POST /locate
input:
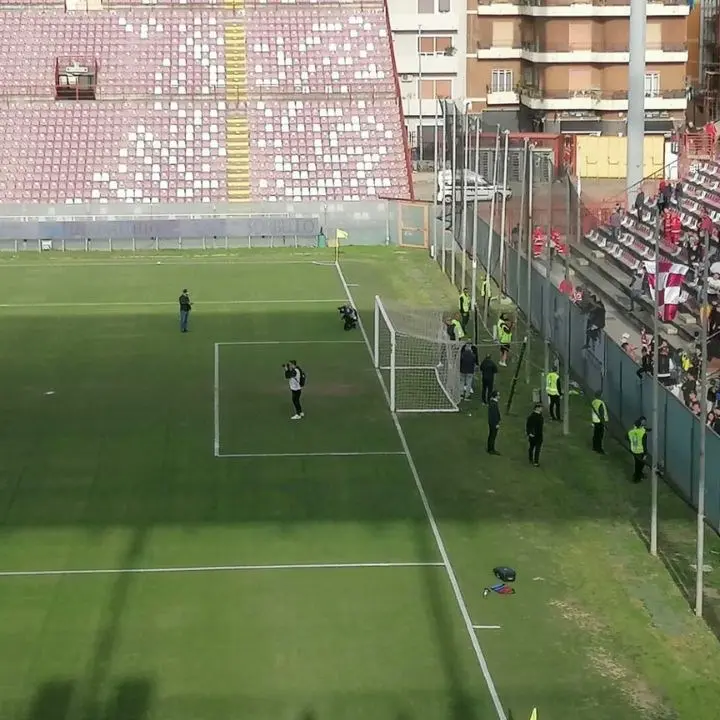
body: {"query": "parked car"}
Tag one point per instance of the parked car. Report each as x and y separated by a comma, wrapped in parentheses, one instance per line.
(469, 185)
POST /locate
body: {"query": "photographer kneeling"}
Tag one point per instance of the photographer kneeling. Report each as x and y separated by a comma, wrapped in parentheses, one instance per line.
(349, 316)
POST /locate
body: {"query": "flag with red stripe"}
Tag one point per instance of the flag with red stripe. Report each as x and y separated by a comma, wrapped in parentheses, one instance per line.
(669, 282)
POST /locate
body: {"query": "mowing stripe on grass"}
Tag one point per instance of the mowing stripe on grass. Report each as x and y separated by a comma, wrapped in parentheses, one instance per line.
(462, 605)
(310, 454)
(216, 402)
(216, 569)
(141, 303)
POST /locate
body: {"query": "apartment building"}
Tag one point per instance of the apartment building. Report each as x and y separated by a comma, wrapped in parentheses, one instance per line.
(539, 65)
(562, 66)
(429, 39)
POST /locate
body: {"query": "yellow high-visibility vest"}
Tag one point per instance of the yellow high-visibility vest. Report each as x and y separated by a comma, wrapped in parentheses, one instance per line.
(551, 383)
(596, 417)
(458, 328)
(464, 303)
(636, 436)
(504, 336)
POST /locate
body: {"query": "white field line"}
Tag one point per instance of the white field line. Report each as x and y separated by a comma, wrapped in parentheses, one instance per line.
(292, 342)
(157, 260)
(141, 303)
(311, 454)
(215, 569)
(462, 605)
(216, 402)
(487, 627)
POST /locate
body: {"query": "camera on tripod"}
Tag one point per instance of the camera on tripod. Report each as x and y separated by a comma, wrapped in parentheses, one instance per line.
(349, 316)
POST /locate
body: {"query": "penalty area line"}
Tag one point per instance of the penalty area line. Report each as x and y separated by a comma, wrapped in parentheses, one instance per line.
(311, 454)
(216, 569)
(487, 627)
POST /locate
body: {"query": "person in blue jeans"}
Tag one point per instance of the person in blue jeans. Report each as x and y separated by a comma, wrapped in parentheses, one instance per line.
(185, 308)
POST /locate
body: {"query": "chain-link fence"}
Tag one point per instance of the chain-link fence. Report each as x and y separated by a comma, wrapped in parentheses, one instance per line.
(547, 202)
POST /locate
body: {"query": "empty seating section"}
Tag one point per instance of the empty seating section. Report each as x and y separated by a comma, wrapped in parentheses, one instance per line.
(139, 53)
(335, 149)
(113, 151)
(635, 241)
(319, 50)
(195, 101)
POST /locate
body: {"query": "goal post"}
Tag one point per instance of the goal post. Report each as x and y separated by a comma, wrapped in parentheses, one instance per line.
(418, 363)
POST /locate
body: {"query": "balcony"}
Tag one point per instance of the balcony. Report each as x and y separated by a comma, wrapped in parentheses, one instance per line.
(606, 52)
(499, 97)
(571, 9)
(596, 99)
(489, 51)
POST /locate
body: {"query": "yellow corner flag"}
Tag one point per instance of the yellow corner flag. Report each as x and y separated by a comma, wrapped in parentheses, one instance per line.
(534, 714)
(340, 235)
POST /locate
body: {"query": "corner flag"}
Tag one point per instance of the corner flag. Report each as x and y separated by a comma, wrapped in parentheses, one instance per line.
(340, 235)
(534, 714)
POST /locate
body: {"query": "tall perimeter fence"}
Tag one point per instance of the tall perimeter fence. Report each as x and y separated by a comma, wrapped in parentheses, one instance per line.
(137, 227)
(549, 197)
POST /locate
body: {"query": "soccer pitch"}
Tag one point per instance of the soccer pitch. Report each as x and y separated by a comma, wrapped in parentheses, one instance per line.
(174, 547)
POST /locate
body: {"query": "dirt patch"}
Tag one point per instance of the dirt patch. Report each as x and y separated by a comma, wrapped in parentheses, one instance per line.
(579, 617)
(637, 691)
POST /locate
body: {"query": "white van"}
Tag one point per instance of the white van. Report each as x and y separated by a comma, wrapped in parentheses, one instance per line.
(474, 185)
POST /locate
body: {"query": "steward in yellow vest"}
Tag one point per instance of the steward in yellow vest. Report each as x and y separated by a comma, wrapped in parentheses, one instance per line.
(599, 421)
(552, 388)
(503, 333)
(465, 307)
(637, 437)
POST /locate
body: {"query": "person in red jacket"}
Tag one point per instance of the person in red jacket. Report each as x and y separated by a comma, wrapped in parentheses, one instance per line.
(706, 225)
(675, 228)
(539, 240)
(667, 227)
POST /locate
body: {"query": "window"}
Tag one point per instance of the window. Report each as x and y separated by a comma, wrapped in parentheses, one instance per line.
(434, 44)
(579, 78)
(503, 32)
(502, 81)
(437, 88)
(428, 7)
(652, 85)
(653, 35)
(580, 36)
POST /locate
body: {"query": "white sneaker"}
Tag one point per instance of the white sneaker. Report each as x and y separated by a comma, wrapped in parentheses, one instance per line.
(296, 417)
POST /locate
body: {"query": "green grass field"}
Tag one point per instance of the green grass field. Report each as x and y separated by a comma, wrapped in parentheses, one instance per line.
(142, 577)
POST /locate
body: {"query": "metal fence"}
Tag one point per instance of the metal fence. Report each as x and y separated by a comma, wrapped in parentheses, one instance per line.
(203, 225)
(604, 365)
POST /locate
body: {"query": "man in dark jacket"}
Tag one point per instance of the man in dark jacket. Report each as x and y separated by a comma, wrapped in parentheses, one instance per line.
(488, 370)
(468, 366)
(493, 422)
(534, 431)
(185, 308)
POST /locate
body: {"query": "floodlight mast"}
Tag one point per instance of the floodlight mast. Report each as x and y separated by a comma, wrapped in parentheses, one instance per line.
(636, 99)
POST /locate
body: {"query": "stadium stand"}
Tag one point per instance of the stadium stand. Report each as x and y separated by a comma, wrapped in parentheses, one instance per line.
(172, 103)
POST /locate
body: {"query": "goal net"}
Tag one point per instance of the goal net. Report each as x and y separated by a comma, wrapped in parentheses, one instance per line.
(419, 364)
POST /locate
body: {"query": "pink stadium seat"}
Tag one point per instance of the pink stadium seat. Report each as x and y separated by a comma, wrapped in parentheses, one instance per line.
(322, 108)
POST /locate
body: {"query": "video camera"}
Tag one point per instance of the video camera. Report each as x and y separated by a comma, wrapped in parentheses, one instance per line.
(349, 316)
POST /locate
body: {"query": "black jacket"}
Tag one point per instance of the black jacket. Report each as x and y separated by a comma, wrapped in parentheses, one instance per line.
(493, 413)
(488, 369)
(468, 359)
(534, 425)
